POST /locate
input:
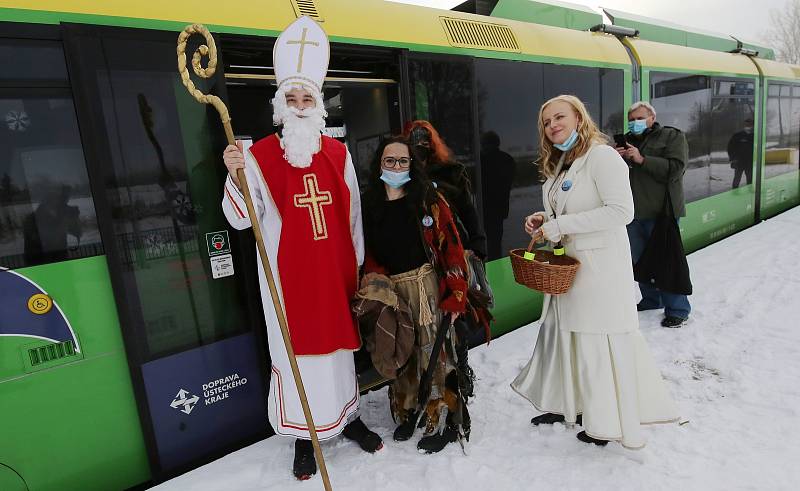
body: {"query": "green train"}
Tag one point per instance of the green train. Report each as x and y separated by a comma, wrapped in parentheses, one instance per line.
(126, 355)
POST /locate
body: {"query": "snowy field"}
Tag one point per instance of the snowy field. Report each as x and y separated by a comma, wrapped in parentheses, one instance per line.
(734, 371)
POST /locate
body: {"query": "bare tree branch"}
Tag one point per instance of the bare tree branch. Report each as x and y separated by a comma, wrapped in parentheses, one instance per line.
(784, 35)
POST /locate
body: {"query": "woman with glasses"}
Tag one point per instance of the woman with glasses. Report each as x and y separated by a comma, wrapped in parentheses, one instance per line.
(410, 237)
(590, 359)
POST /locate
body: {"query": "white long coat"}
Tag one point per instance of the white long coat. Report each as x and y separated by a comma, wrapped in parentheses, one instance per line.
(591, 217)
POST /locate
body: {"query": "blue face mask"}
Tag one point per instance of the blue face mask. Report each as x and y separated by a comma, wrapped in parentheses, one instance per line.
(637, 126)
(568, 143)
(395, 179)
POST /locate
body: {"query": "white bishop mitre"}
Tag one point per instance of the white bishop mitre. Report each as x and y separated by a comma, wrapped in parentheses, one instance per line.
(301, 54)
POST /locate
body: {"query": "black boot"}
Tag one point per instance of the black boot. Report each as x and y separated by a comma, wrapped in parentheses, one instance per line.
(437, 441)
(305, 465)
(547, 419)
(582, 436)
(552, 418)
(404, 431)
(368, 440)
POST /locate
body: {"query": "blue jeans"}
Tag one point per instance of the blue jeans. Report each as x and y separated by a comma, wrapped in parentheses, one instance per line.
(675, 305)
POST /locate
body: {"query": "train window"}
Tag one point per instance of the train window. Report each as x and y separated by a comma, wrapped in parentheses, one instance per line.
(732, 135)
(442, 94)
(783, 129)
(164, 186)
(510, 94)
(46, 208)
(716, 115)
(599, 88)
(27, 61)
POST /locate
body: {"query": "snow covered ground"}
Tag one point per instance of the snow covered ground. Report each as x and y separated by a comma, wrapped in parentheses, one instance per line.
(734, 371)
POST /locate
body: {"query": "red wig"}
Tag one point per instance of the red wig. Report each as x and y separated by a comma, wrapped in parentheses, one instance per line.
(440, 152)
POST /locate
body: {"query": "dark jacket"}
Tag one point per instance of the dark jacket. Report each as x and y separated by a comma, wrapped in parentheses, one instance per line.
(666, 154)
(740, 150)
(452, 180)
(444, 249)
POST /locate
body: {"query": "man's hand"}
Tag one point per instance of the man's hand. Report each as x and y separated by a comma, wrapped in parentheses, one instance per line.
(234, 159)
(631, 154)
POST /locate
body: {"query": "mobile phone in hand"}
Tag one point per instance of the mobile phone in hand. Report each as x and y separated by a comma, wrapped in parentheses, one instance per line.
(619, 140)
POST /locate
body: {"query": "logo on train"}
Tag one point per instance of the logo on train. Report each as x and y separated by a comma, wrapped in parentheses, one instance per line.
(184, 400)
(214, 391)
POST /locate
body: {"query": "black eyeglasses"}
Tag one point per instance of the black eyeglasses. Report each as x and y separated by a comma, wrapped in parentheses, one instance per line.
(392, 162)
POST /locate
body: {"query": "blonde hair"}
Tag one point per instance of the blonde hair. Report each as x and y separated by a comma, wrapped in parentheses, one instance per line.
(588, 135)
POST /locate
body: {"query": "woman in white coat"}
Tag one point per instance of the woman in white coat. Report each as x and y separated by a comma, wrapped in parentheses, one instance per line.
(590, 359)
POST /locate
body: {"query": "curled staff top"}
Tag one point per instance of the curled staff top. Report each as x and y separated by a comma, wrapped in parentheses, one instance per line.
(301, 54)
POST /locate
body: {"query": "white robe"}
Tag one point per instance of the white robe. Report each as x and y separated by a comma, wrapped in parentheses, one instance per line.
(329, 380)
(590, 357)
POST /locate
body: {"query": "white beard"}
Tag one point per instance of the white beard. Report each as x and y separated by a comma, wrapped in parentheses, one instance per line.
(301, 135)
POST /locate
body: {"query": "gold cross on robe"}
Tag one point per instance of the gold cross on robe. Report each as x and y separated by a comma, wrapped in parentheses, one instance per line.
(302, 42)
(314, 199)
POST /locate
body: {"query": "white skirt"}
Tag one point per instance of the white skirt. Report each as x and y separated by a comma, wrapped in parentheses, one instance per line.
(611, 379)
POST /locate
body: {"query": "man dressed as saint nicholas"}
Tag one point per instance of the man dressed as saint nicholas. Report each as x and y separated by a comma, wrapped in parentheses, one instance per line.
(306, 196)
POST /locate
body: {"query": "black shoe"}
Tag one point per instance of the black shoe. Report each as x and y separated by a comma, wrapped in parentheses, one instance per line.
(406, 428)
(305, 465)
(672, 321)
(368, 440)
(582, 436)
(437, 441)
(547, 419)
(641, 307)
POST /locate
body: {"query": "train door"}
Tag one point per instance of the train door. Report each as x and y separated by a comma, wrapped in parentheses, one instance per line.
(183, 280)
(362, 98)
(68, 415)
(361, 94)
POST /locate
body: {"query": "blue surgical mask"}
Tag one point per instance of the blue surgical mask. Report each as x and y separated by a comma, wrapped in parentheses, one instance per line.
(637, 126)
(568, 143)
(395, 179)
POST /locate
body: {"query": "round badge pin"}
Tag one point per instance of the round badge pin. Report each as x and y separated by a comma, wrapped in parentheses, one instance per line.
(427, 221)
(566, 185)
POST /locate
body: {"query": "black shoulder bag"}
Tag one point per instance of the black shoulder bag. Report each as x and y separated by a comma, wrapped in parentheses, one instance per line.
(663, 263)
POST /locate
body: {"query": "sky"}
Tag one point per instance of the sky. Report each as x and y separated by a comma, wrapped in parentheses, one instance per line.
(744, 19)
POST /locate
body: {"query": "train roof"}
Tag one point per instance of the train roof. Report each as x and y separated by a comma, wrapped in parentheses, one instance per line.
(668, 33)
(352, 21)
(774, 69)
(652, 55)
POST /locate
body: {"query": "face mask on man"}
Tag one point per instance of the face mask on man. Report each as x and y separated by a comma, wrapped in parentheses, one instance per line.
(395, 180)
(748, 129)
(637, 126)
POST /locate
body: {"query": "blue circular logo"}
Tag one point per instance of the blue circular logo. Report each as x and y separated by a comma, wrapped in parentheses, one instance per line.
(566, 185)
(427, 221)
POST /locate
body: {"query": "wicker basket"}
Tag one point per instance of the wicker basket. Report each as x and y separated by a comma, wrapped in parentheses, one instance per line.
(540, 274)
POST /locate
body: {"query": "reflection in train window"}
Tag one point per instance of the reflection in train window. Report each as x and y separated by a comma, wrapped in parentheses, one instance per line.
(46, 208)
(716, 115)
(783, 130)
(510, 94)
